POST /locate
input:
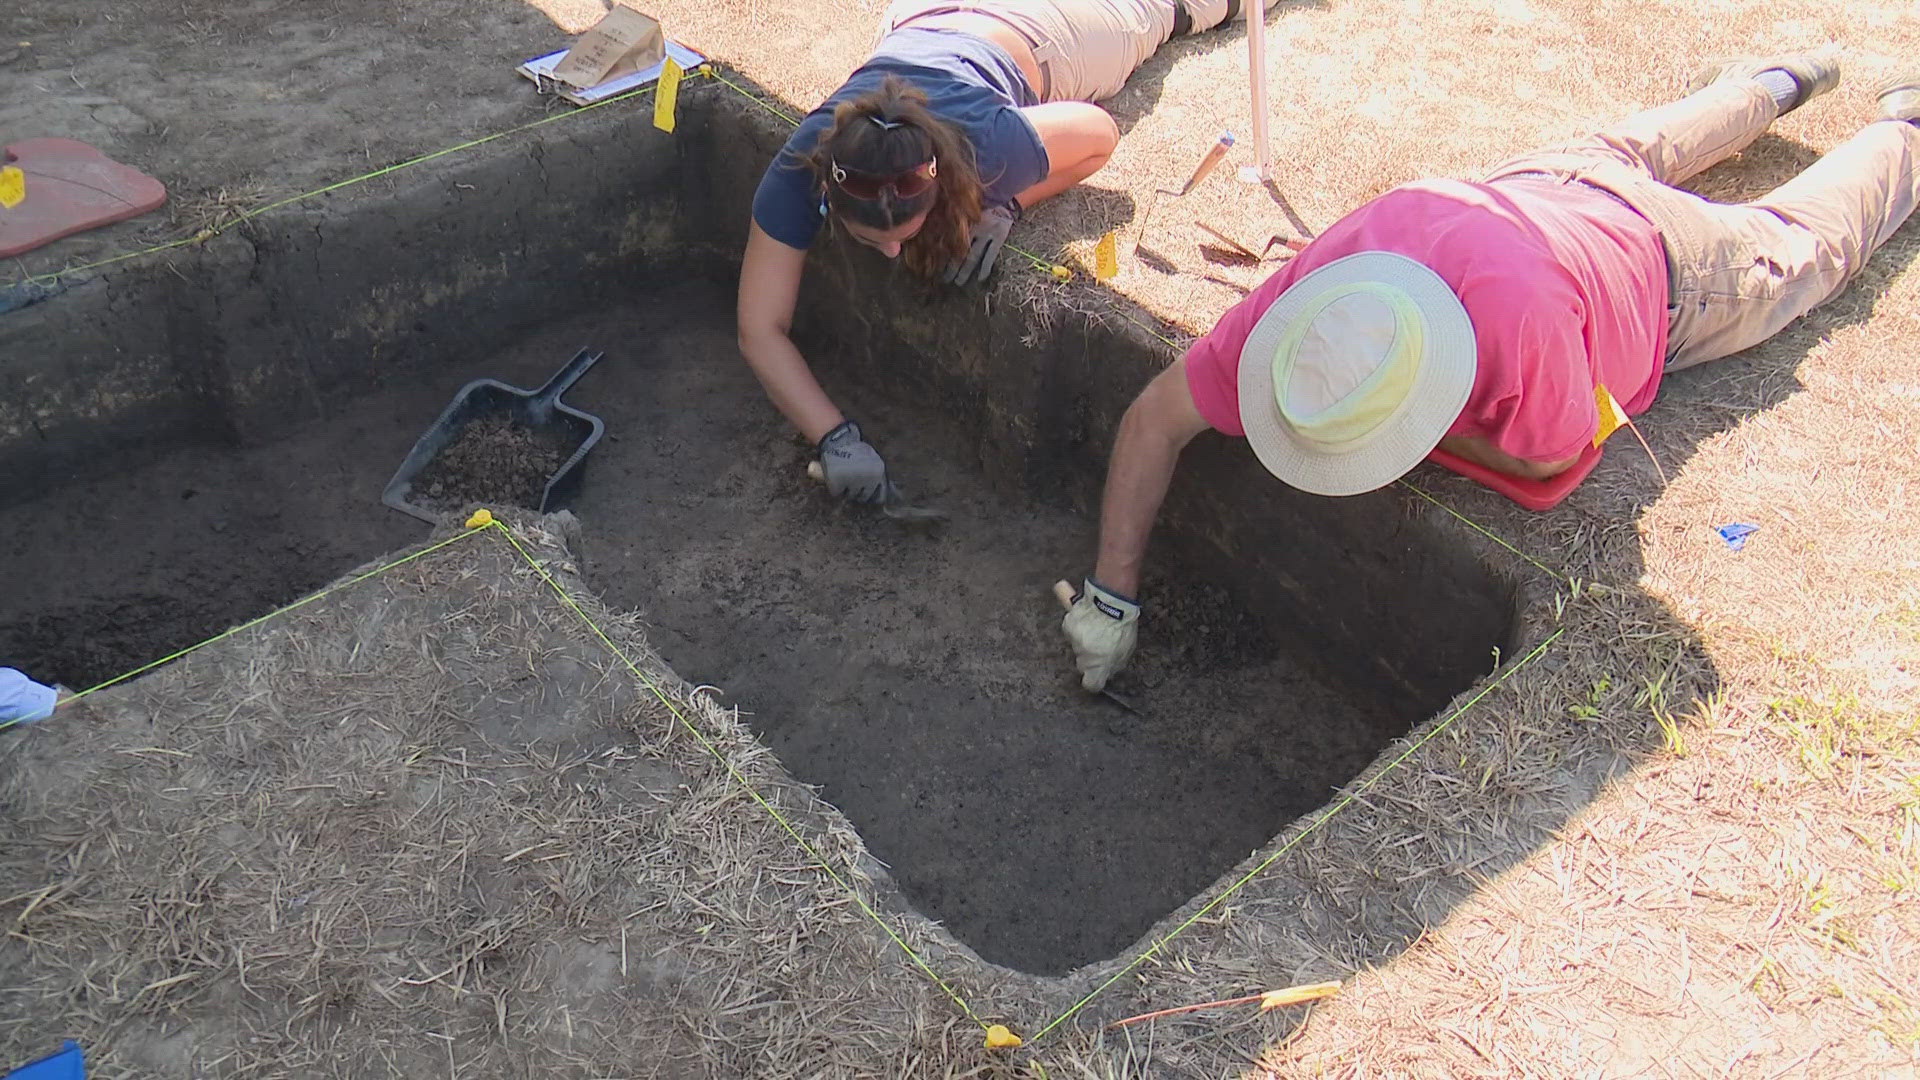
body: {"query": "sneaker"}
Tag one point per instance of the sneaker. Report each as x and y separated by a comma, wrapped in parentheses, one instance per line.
(1815, 75)
(1900, 99)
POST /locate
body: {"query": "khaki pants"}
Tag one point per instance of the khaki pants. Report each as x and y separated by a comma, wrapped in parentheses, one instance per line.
(1087, 49)
(1740, 273)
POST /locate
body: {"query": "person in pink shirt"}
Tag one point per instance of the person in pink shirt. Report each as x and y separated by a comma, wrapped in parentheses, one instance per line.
(1495, 320)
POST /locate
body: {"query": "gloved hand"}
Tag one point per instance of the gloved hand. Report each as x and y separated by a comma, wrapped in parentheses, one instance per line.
(23, 701)
(852, 468)
(1101, 626)
(989, 236)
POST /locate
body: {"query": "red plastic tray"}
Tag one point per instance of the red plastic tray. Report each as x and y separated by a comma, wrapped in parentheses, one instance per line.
(71, 187)
(1532, 494)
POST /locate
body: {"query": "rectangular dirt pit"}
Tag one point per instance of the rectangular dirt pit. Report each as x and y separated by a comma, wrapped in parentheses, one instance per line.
(918, 677)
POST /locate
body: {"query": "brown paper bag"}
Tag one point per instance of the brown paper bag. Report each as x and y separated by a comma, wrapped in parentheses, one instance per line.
(621, 43)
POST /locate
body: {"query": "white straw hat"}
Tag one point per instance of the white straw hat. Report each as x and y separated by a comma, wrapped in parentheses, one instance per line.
(1355, 372)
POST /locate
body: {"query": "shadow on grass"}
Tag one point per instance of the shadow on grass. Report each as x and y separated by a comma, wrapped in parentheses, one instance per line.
(1482, 783)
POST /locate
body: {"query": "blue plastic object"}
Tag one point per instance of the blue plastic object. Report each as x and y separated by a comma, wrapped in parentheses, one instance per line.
(68, 1064)
(1736, 534)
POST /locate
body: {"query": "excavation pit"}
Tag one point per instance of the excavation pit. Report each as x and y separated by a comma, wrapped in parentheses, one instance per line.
(917, 677)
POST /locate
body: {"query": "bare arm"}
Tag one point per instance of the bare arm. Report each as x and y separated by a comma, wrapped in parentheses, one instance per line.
(1157, 426)
(769, 288)
(1482, 452)
(1079, 138)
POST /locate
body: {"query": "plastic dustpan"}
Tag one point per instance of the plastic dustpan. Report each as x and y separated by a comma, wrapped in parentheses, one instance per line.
(68, 1064)
(1532, 494)
(541, 409)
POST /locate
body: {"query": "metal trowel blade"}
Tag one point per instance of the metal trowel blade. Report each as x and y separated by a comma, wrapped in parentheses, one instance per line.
(902, 512)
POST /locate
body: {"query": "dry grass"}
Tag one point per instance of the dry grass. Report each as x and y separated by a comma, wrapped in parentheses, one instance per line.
(1732, 894)
(428, 827)
(208, 212)
(1683, 842)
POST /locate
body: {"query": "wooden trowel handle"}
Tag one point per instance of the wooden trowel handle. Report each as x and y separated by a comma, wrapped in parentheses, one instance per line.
(1064, 593)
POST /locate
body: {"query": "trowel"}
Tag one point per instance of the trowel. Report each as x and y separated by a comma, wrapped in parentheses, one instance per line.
(895, 507)
(1066, 594)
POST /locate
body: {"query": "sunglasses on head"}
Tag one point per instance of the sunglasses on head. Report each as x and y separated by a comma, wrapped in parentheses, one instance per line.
(906, 185)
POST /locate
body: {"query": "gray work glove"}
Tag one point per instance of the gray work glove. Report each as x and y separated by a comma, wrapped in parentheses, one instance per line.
(852, 468)
(989, 236)
(1101, 624)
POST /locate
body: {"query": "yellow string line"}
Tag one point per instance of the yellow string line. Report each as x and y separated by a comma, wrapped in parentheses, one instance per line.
(328, 591)
(755, 98)
(781, 819)
(1345, 801)
(1489, 533)
(215, 230)
(745, 784)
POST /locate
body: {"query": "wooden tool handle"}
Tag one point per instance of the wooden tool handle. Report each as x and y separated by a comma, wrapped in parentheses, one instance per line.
(814, 470)
(1064, 593)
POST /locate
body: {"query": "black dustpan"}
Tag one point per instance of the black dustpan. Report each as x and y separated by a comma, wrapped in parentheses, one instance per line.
(539, 409)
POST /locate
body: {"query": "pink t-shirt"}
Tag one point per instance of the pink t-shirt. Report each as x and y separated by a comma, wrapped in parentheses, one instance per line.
(1566, 287)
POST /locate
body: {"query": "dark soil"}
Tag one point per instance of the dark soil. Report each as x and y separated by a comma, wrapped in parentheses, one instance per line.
(113, 574)
(917, 676)
(492, 459)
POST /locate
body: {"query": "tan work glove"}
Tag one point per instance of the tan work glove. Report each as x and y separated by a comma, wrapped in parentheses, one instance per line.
(1101, 626)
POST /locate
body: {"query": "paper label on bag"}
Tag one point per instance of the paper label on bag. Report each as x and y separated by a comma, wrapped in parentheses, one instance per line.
(621, 43)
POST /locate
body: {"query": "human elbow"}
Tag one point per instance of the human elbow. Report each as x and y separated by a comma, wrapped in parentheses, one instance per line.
(755, 336)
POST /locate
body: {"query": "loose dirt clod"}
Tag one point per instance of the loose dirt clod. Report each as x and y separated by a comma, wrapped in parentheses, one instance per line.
(492, 459)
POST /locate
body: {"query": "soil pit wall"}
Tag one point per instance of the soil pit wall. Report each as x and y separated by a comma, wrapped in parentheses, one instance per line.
(918, 678)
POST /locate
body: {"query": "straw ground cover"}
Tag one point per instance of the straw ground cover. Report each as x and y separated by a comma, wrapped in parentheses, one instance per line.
(430, 826)
(1684, 842)
(1741, 901)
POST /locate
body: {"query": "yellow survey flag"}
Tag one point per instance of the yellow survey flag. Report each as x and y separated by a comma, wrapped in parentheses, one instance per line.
(666, 95)
(1106, 261)
(13, 187)
(1612, 416)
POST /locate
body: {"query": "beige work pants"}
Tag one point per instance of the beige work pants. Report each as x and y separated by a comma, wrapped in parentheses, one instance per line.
(1740, 273)
(1087, 49)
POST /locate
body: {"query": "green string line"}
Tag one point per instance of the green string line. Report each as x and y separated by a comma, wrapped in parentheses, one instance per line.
(755, 98)
(1345, 800)
(215, 230)
(742, 780)
(1490, 534)
(328, 591)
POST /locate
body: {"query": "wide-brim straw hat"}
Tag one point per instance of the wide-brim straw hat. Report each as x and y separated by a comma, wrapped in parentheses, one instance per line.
(1355, 372)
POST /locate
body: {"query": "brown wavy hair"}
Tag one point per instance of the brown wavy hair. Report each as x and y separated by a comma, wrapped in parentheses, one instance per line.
(859, 144)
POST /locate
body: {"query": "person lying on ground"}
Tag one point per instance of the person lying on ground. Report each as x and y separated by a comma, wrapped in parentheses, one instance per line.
(965, 114)
(1491, 319)
(23, 701)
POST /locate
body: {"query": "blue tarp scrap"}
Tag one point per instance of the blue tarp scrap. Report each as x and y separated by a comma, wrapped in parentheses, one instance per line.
(68, 1064)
